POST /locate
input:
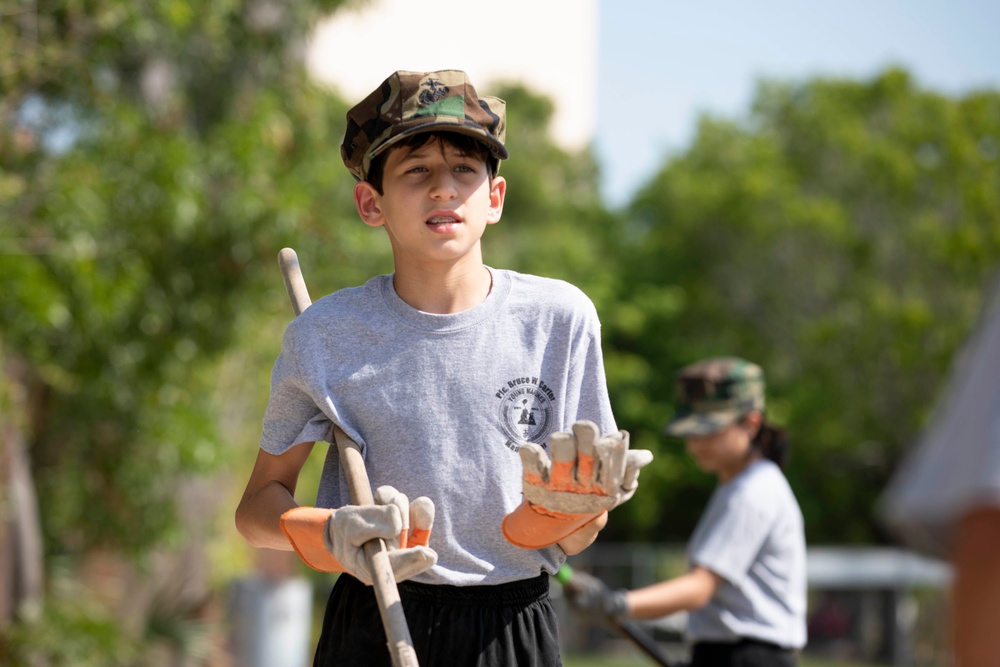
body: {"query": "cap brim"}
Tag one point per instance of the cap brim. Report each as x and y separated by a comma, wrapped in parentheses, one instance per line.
(497, 149)
(697, 424)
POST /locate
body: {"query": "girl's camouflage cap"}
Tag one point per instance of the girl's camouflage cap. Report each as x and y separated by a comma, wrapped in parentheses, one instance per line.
(410, 102)
(713, 393)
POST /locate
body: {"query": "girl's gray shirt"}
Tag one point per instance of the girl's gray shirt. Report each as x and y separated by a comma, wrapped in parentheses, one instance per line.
(440, 404)
(752, 536)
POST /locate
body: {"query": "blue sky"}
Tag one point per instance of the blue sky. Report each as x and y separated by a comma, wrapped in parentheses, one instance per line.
(664, 62)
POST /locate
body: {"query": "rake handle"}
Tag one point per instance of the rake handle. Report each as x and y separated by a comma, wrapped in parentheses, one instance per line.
(383, 580)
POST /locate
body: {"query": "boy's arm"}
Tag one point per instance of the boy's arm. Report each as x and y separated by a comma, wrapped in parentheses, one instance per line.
(269, 493)
(332, 540)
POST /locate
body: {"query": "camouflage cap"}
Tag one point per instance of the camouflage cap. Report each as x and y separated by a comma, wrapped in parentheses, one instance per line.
(410, 102)
(713, 393)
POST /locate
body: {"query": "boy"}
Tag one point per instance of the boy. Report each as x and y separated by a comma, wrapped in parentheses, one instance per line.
(445, 373)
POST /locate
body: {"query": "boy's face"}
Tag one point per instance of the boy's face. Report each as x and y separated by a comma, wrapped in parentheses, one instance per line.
(435, 204)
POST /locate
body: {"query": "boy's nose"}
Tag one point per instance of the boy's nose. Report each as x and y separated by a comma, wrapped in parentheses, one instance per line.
(443, 185)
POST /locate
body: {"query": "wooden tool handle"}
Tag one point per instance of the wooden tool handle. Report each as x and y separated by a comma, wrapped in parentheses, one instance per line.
(295, 284)
(383, 580)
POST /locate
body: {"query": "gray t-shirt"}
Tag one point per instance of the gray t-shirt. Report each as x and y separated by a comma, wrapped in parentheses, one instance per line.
(441, 403)
(752, 536)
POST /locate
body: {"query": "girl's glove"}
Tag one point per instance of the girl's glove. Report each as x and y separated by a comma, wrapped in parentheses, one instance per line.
(332, 540)
(588, 475)
(589, 594)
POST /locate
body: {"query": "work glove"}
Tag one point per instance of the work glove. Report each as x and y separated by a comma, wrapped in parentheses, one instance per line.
(332, 540)
(587, 476)
(589, 594)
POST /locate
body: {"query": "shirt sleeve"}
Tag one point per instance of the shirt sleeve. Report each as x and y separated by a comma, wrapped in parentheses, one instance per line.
(292, 415)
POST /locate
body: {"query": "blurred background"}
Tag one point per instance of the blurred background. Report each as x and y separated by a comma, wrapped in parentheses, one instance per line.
(816, 190)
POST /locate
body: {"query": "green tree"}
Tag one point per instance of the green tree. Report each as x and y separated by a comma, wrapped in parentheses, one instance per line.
(841, 235)
(153, 157)
(554, 223)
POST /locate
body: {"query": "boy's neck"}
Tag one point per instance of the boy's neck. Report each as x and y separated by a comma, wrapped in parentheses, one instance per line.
(444, 291)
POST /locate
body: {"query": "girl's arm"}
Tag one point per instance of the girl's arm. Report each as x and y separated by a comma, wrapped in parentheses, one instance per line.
(687, 592)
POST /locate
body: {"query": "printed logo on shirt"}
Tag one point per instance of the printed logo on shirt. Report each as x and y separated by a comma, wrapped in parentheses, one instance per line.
(525, 411)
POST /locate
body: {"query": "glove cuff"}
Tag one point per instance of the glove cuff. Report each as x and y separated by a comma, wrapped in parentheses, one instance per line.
(616, 605)
(305, 528)
(532, 526)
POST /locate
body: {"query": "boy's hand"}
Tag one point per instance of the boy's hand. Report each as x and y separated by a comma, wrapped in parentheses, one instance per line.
(390, 518)
(587, 475)
(333, 540)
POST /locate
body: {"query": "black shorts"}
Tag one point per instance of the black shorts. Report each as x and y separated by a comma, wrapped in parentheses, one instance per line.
(476, 626)
(744, 653)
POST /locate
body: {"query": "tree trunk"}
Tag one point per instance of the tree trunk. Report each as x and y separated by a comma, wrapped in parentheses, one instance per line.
(21, 555)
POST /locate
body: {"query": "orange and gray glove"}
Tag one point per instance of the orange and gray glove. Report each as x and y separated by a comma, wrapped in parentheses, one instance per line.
(332, 540)
(587, 476)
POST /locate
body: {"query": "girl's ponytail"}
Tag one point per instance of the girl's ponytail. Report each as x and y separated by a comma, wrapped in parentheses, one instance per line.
(772, 443)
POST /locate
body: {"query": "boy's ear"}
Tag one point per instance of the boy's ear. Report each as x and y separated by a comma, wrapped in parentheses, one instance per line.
(369, 204)
(498, 190)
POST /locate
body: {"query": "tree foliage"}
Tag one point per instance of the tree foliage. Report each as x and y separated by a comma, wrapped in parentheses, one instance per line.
(841, 235)
(153, 158)
(157, 154)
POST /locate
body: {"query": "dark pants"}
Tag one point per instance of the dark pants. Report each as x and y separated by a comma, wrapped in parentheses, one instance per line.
(744, 653)
(476, 626)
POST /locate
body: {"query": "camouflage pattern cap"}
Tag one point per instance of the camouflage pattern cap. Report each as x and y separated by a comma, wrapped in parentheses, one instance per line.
(410, 102)
(713, 393)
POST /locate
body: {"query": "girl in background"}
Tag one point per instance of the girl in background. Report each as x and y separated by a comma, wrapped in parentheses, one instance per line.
(745, 591)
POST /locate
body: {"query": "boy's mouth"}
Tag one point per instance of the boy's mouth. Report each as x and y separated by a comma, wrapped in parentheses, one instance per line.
(440, 220)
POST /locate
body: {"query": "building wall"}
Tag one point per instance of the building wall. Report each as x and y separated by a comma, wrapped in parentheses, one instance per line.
(550, 46)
